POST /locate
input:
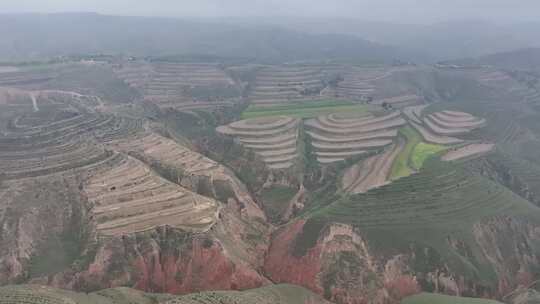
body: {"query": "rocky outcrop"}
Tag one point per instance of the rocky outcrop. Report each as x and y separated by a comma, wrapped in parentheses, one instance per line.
(340, 266)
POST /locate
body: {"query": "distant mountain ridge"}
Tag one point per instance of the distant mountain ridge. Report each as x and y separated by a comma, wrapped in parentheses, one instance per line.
(442, 41)
(38, 36)
(522, 59)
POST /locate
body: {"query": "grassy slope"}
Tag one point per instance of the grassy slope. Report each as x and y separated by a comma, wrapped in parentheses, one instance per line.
(304, 109)
(424, 151)
(431, 298)
(414, 155)
(401, 167)
(272, 294)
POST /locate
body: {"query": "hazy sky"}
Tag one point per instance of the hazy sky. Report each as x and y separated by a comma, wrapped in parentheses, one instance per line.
(410, 11)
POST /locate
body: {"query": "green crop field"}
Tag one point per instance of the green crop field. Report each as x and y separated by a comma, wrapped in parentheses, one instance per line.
(401, 167)
(304, 109)
(422, 151)
(431, 298)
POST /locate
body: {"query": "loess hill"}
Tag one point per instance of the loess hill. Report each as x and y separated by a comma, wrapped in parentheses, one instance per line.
(361, 184)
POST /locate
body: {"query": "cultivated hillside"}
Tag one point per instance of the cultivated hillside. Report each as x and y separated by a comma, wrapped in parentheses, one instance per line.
(362, 184)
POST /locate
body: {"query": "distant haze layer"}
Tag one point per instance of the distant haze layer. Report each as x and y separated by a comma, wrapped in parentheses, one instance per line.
(399, 11)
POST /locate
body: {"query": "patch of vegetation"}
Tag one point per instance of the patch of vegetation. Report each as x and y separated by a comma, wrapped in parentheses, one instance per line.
(423, 151)
(276, 201)
(58, 253)
(304, 109)
(308, 237)
(431, 298)
(402, 164)
(197, 127)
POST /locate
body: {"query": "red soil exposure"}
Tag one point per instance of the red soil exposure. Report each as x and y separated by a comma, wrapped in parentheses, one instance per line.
(402, 286)
(283, 267)
(203, 269)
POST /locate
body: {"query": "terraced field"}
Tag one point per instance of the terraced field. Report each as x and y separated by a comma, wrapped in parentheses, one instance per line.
(26, 78)
(425, 208)
(400, 101)
(190, 169)
(372, 172)
(357, 83)
(48, 159)
(274, 139)
(285, 84)
(336, 137)
(442, 127)
(130, 198)
(504, 81)
(525, 172)
(431, 298)
(372, 85)
(414, 113)
(277, 294)
(468, 151)
(64, 139)
(453, 123)
(181, 85)
(157, 148)
(54, 139)
(273, 294)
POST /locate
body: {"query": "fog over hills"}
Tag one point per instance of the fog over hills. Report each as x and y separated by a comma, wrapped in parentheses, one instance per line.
(39, 36)
(441, 40)
(268, 39)
(527, 59)
(391, 11)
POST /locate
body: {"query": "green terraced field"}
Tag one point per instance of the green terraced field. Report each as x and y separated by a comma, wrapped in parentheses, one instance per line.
(423, 151)
(401, 167)
(442, 200)
(431, 298)
(304, 109)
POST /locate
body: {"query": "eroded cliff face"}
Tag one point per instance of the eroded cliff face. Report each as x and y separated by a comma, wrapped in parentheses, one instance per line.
(344, 268)
(511, 246)
(163, 261)
(340, 266)
(39, 219)
(227, 257)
